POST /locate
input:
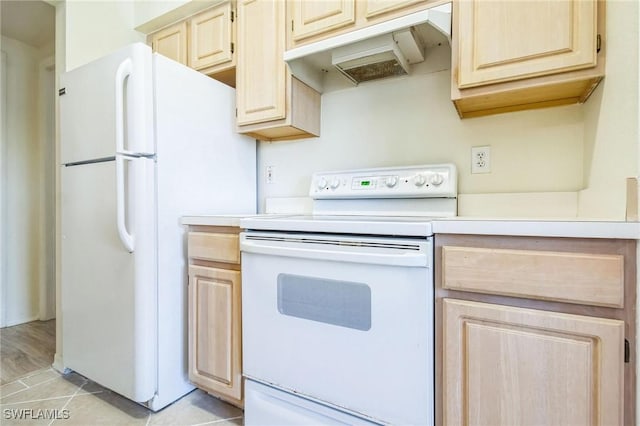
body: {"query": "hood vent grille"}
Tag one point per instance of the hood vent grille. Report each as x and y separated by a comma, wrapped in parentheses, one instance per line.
(379, 57)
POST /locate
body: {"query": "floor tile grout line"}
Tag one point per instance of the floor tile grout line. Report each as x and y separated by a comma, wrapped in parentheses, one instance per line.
(50, 399)
(13, 393)
(217, 421)
(35, 400)
(72, 396)
(27, 387)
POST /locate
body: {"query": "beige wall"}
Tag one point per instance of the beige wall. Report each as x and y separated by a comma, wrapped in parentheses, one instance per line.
(21, 184)
(611, 119)
(95, 28)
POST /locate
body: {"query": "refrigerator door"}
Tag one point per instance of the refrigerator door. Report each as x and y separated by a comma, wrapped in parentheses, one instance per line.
(109, 301)
(95, 96)
(203, 167)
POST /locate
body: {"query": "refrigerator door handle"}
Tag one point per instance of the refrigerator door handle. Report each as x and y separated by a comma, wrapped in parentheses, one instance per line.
(126, 238)
(124, 71)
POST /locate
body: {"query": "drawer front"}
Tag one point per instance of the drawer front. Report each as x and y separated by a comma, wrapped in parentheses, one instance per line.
(214, 247)
(582, 278)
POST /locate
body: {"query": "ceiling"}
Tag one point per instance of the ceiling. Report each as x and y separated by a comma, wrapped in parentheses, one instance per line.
(29, 21)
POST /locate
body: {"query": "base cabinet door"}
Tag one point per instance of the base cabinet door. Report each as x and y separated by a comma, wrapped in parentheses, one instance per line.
(215, 331)
(508, 365)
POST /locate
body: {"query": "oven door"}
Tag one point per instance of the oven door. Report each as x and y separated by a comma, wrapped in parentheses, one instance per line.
(341, 319)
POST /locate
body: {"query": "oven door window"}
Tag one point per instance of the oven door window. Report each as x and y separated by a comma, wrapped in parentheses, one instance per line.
(336, 302)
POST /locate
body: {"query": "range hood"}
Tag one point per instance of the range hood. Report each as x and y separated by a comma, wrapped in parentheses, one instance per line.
(383, 50)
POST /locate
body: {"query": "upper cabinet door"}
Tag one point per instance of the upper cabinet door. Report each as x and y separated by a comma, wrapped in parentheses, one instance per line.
(312, 17)
(374, 8)
(261, 71)
(508, 40)
(211, 37)
(172, 42)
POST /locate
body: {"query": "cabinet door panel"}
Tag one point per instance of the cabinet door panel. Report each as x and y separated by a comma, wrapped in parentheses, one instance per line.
(506, 365)
(172, 42)
(378, 7)
(261, 71)
(311, 17)
(211, 37)
(214, 330)
(507, 40)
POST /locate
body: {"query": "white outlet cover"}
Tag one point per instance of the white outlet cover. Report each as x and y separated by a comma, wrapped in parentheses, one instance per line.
(480, 159)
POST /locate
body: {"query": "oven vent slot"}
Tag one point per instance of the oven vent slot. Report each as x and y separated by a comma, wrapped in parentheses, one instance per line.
(344, 243)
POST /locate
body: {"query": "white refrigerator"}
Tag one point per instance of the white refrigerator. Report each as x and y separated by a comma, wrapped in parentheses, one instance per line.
(144, 141)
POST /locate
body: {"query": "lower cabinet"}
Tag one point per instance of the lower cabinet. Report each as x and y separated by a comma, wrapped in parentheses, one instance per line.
(514, 366)
(535, 330)
(215, 332)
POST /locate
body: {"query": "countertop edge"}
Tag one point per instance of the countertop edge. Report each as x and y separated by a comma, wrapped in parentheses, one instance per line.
(541, 228)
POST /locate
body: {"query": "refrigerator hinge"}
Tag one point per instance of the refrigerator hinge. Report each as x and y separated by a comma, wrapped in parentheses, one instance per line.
(626, 351)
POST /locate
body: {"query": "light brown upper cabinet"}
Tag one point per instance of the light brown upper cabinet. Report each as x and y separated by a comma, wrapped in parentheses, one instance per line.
(204, 42)
(509, 56)
(171, 42)
(271, 104)
(314, 20)
(212, 38)
(316, 17)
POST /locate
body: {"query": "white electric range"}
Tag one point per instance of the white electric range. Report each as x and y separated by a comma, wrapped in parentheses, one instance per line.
(338, 306)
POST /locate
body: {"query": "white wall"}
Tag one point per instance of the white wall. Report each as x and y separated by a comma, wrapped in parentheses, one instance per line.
(94, 28)
(611, 119)
(22, 190)
(411, 120)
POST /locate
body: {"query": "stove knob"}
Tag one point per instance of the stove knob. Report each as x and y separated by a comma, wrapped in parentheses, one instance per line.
(335, 183)
(419, 180)
(391, 181)
(436, 179)
(322, 183)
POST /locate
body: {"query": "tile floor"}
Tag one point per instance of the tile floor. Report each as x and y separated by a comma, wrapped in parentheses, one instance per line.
(46, 397)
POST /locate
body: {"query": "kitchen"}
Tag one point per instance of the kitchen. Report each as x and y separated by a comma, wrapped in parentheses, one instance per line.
(565, 162)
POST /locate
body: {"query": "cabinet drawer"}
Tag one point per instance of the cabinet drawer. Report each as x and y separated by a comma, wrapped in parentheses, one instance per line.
(582, 278)
(214, 247)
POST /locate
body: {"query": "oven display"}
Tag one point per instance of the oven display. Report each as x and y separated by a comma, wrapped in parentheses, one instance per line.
(363, 183)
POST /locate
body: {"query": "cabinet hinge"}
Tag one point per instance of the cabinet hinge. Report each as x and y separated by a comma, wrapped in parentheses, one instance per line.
(626, 351)
(232, 47)
(236, 112)
(292, 25)
(598, 43)
(232, 16)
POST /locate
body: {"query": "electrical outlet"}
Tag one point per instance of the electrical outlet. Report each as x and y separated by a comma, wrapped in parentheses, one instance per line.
(270, 174)
(481, 159)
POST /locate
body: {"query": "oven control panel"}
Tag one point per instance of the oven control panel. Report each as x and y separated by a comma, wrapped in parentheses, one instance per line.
(427, 181)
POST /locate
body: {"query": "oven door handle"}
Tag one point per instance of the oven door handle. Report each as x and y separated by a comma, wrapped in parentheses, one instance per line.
(409, 258)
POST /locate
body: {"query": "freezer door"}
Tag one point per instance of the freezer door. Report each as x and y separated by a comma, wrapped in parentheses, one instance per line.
(109, 299)
(92, 98)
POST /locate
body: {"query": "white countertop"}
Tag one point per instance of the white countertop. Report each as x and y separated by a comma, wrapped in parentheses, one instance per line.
(578, 228)
(215, 220)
